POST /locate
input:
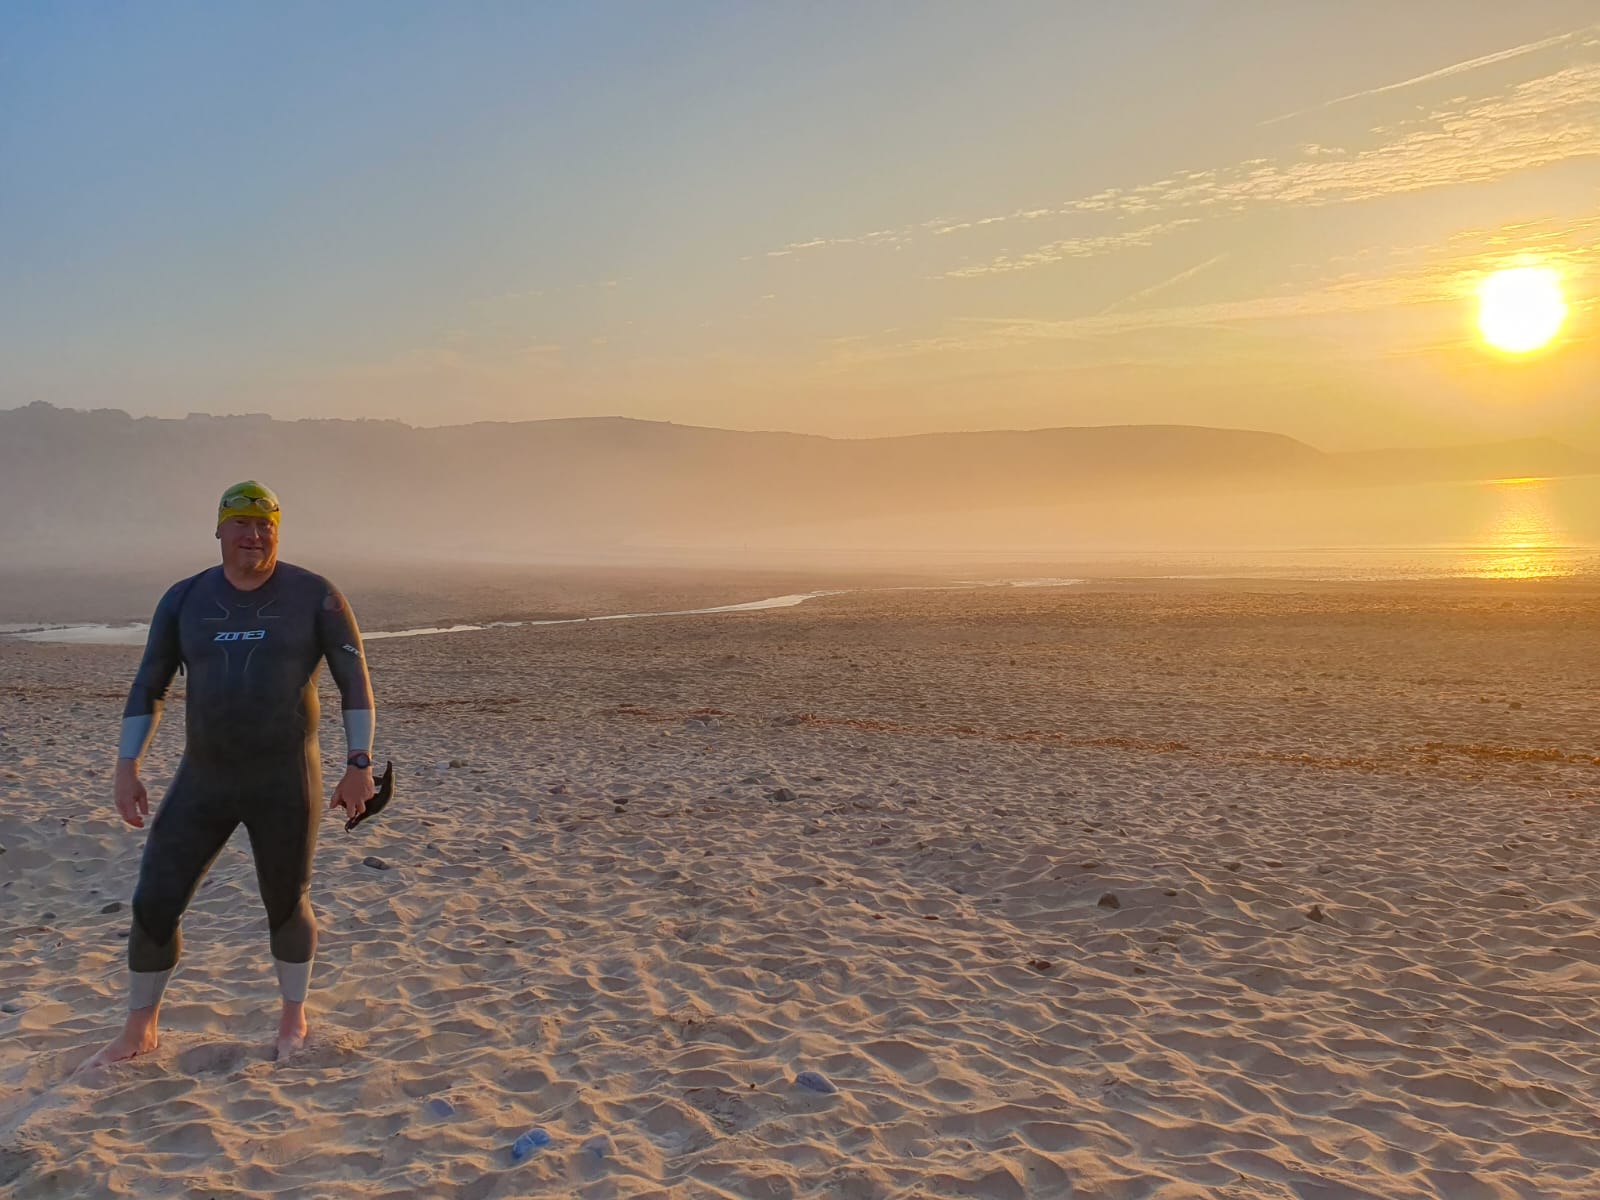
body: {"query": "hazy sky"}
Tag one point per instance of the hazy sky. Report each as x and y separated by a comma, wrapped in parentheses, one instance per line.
(839, 218)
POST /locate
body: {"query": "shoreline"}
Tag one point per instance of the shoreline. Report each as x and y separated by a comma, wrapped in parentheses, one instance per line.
(134, 633)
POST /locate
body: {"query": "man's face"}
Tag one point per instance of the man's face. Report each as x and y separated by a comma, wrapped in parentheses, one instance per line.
(248, 543)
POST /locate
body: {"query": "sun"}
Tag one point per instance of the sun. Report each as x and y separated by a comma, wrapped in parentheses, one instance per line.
(1520, 310)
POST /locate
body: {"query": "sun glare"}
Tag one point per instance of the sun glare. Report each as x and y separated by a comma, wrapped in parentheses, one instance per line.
(1521, 310)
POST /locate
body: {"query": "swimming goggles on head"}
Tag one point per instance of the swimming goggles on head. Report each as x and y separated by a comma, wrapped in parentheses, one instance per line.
(247, 504)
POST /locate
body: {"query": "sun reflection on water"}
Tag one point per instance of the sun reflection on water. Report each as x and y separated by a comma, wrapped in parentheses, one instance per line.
(1525, 537)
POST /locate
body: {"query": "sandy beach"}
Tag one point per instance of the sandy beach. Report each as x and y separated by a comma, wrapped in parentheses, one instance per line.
(1139, 891)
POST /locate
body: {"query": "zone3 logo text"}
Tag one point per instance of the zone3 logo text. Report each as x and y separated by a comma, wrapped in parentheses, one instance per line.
(240, 635)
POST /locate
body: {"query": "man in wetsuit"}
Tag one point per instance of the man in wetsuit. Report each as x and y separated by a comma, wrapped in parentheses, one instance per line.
(250, 633)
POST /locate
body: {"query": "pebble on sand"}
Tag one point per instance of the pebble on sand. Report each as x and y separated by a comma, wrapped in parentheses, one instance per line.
(815, 1081)
(1109, 900)
(1040, 965)
(783, 794)
(114, 906)
(1316, 914)
(529, 1144)
(376, 863)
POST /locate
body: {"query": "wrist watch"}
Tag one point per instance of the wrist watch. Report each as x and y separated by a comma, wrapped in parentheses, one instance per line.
(360, 760)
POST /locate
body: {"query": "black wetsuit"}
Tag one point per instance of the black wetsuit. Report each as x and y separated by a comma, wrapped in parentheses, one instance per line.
(251, 754)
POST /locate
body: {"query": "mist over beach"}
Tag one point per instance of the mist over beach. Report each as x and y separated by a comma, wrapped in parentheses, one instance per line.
(962, 602)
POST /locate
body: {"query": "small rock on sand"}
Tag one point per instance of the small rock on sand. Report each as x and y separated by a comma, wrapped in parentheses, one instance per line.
(376, 863)
(114, 906)
(1109, 900)
(784, 794)
(1316, 914)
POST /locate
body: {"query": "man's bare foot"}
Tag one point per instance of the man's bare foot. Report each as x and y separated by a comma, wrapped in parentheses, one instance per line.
(291, 1031)
(136, 1038)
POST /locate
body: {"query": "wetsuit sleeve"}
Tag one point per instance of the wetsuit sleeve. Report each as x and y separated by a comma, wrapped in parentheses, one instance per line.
(340, 641)
(146, 698)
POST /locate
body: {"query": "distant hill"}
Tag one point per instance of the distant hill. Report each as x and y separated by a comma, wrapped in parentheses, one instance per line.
(77, 486)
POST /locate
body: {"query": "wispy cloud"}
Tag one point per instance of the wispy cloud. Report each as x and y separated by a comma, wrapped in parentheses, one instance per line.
(1156, 288)
(1471, 64)
(1406, 277)
(1066, 248)
(1549, 119)
(877, 237)
(937, 226)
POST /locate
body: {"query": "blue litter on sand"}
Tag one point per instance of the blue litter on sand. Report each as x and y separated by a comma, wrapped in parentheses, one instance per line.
(815, 1082)
(529, 1144)
(440, 1107)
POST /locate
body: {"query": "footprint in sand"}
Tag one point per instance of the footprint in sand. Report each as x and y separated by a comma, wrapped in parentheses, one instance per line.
(323, 1050)
(15, 1163)
(727, 1109)
(213, 1058)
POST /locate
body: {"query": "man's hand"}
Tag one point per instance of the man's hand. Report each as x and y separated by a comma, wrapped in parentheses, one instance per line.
(133, 802)
(353, 792)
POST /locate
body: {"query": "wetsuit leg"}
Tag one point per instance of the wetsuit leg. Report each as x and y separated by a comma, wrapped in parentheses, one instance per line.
(190, 828)
(281, 816)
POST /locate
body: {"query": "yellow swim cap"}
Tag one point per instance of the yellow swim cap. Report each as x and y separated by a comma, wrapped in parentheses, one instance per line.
(248, 499)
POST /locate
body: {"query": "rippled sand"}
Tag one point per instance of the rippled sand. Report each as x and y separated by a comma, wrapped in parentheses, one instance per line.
(1157, 891)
